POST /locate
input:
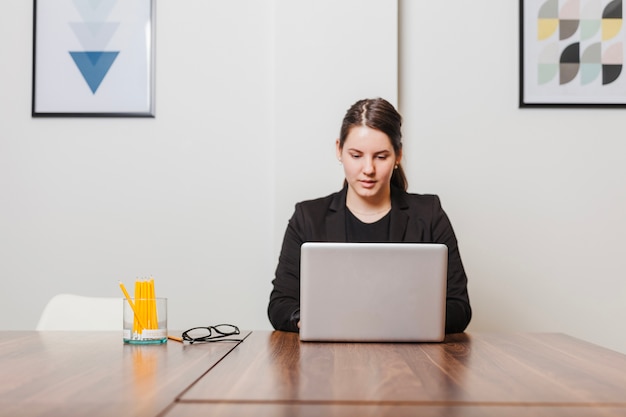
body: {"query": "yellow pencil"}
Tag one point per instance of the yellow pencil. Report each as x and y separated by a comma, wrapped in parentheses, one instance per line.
(153, 308)
(130, 303)
(137, 296)
(145, 303)
(139, 301)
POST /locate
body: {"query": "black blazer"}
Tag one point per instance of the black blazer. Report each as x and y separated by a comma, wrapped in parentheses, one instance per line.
(417, 218)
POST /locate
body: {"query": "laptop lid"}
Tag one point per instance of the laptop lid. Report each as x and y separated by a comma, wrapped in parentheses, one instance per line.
(367, 292)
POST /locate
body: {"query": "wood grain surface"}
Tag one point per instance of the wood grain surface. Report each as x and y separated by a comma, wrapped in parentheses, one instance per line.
(190, 409)
(274, 374)
(542, 370)
(96, 374)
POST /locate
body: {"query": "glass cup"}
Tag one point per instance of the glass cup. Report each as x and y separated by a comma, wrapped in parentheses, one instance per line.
(145, 321)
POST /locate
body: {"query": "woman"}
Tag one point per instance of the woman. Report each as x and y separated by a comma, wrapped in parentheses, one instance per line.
(373, 206)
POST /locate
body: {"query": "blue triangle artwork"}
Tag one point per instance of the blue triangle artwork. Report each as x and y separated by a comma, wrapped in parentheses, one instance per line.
(94, 33)
(94, 66)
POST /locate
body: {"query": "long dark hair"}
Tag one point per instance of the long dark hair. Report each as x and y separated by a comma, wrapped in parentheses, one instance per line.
(379, 114)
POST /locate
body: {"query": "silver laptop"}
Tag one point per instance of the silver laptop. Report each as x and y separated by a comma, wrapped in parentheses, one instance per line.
(373, 292)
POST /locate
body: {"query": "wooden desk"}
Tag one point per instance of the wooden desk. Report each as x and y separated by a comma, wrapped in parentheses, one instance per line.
(94, 374)
(273, 374)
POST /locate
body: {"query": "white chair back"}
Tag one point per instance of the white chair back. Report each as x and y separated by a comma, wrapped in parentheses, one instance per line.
(77, 312)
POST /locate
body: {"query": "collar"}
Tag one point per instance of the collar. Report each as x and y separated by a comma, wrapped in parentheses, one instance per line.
(336, 218)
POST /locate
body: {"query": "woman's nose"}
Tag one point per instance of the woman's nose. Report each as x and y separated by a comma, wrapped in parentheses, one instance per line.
(368, 166)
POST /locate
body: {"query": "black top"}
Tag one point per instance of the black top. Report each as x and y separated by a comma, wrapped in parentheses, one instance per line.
(359, 232)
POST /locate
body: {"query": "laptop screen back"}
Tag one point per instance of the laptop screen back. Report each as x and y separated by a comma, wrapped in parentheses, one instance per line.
(392, 292)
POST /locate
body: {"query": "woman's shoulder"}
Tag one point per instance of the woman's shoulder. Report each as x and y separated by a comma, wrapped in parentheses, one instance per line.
(330, 200)
(413, 199)
(315, 211)
(319, 200)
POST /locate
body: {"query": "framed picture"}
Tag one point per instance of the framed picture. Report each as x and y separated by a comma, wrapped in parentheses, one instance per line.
(572, 53)
(93, 58)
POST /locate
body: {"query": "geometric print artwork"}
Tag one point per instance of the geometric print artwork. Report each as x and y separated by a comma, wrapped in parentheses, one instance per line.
(93, 58)
(578, 42)
(94, 34)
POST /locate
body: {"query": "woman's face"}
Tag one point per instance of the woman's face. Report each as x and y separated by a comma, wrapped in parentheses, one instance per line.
(368, 161)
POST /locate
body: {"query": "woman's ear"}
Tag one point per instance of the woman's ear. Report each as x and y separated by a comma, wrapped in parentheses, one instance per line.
(338, 150)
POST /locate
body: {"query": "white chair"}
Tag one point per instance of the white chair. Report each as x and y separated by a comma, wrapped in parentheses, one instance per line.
(76, 312)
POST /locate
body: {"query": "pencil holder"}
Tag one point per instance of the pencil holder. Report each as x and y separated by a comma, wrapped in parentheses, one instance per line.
(145, 321)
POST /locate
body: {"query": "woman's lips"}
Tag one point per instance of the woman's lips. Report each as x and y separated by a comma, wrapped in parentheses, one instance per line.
(367, 183)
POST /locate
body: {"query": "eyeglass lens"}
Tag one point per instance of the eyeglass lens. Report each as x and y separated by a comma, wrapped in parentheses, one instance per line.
(212, 331)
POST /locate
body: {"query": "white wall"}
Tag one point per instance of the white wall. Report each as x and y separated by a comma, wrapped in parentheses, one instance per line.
(327, 57)
(537, 196)
(250, 95)
(88, 202)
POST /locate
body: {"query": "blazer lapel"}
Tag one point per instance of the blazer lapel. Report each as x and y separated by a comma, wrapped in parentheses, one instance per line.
(336, 218)
(399, 216)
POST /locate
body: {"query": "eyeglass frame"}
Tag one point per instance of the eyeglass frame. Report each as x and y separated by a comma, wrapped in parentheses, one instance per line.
(219, 337)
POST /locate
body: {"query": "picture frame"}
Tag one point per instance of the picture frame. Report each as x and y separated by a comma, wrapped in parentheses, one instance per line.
(93, 59)
(572, 53)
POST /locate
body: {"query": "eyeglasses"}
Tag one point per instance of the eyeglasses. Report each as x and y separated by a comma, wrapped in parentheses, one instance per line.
(218, 333)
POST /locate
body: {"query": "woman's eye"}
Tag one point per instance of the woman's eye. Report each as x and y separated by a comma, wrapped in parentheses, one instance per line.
(355, 156)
